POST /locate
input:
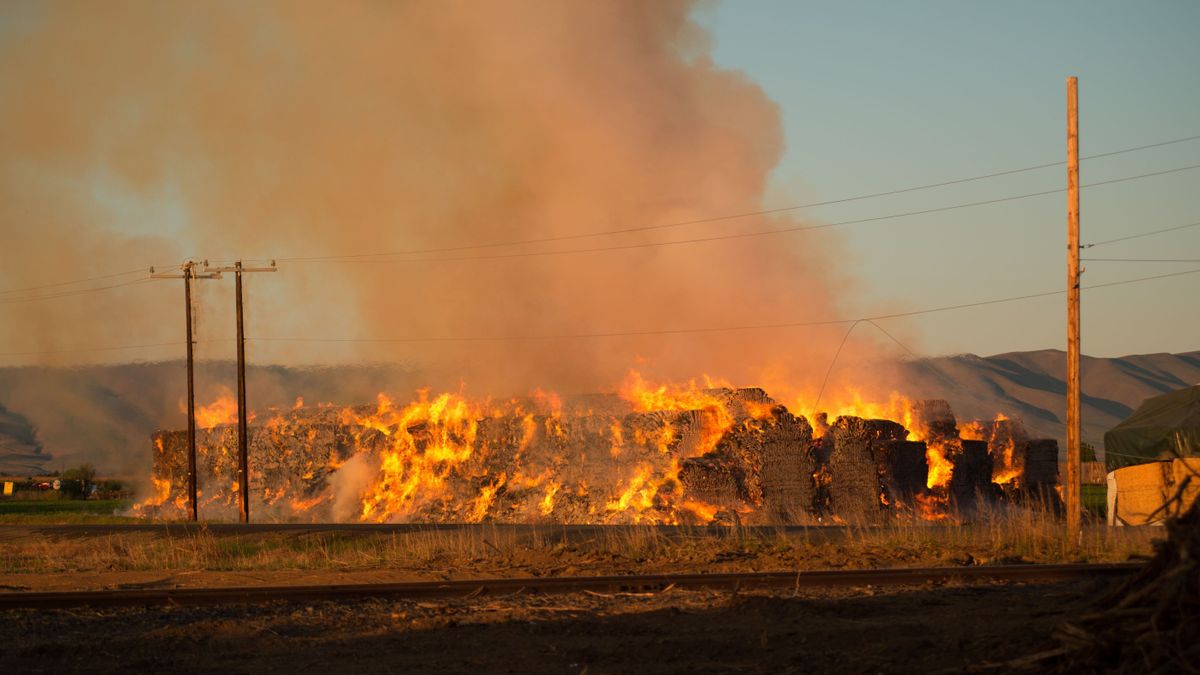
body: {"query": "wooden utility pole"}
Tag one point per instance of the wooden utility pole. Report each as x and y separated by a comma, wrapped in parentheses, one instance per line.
(243, 441)
(1072, 481)
(189, 273)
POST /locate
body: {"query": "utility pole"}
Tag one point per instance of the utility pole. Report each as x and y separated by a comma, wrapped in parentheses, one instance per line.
(243, 444)
(189, 273)
(1074, 505)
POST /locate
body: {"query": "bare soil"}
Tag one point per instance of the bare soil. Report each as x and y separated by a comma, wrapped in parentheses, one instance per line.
(927, 629)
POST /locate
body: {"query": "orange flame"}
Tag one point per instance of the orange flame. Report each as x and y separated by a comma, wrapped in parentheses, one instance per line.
(220, 412)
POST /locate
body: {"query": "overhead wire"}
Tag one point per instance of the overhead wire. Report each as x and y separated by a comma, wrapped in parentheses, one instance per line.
(114, 348)
(1143, 260)
(734, 216)
(350, 257)
(1141, 234)
(92, 349)
(66, 294)
(736, 235)
(718, 329)
(103, 277)
(715, 329)
(354, 257)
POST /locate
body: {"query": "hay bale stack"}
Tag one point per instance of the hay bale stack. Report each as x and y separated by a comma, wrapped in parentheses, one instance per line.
(856, 489)
(715, 480)
(905, 470)
(934, 419)
(789, 494)
(971, 479)
(1039, 463)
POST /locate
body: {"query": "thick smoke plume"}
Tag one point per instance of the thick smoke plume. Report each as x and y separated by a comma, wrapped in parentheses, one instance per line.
(138, 133)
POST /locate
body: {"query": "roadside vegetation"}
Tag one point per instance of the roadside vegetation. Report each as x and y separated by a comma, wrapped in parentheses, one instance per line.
(74, 496)
(1012, 536)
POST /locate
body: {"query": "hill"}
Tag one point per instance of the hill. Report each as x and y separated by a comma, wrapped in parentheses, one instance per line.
(105, 414)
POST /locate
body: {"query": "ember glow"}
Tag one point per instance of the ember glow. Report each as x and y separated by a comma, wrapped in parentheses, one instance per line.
(652, 453)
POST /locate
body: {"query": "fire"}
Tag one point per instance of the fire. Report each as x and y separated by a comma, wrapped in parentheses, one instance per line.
(448, 458)
(937, 455)
(220, 412)
(716, 418)
(547, 505)
(426, 439)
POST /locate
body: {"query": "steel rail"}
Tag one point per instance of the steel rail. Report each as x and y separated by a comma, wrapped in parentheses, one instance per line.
(642, 583)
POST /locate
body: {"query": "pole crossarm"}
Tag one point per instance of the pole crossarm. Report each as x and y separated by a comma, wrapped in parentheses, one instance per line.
(188, 273)
(237, 267)
(243, 434)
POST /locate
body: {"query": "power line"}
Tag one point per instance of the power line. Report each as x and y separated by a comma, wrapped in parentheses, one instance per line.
(1144, 260)
(1143, 234)
(114, 275)
(893, 338)
(831, 202)
(381, 257)
(91, 349)
(111, 349)
(353, 257)
(830, 322)
(67, 294)
(719, 329)
(735, 216)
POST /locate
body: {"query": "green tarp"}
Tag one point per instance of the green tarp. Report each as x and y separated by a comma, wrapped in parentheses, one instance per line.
(1162, 427)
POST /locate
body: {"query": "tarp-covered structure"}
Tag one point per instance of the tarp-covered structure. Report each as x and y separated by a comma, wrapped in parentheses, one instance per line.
(1161, 428)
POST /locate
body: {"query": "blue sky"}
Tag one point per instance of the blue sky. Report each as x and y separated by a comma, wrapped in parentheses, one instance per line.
(883, 95)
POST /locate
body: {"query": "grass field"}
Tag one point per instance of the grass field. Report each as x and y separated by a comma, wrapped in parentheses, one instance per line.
(67, 511)
(1010, 536)
(1095, 500)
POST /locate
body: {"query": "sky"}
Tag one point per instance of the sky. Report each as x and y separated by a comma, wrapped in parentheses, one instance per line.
(146, 132)
(877, 96)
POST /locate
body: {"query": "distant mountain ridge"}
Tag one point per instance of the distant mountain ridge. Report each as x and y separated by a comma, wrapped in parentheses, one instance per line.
(105, 414)
(20, 451)
(1032, 386)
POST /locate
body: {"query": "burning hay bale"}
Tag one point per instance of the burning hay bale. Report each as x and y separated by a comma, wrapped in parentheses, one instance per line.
(691, 457)
(789, 492)
(905, 470)
(1023, 468)
(971, 478)
(857, 464)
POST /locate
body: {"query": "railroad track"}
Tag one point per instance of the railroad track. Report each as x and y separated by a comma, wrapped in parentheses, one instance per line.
(647, 583)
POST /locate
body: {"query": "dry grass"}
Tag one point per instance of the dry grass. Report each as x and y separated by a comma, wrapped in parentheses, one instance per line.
(1011, 535)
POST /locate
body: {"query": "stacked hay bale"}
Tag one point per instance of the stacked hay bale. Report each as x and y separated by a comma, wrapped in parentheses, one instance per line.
(739, 457)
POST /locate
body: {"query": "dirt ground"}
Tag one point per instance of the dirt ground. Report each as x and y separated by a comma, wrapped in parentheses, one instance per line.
(928, 629)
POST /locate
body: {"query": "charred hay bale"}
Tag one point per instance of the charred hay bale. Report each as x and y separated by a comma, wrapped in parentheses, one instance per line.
(905, 470)
(1003, 436)
(971, 478)
(935, 418)
(1040, 462)
(855, 489)
(788, 490)
(170, 456)
(819, 453)
(1038, 479)
(743, 402)
(714, 480)
(763, 463)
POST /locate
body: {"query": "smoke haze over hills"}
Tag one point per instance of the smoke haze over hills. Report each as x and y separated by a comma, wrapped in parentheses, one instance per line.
(105, 414)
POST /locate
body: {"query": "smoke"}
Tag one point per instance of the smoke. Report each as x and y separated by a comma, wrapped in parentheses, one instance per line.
(350, 480)
(137, 133)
